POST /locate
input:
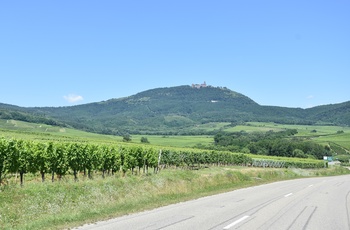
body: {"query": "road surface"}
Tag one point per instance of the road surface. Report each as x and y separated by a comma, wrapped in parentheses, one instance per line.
(311, 203)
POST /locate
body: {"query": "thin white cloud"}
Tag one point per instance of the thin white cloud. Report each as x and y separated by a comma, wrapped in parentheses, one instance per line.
(72, 98)
(310, 97)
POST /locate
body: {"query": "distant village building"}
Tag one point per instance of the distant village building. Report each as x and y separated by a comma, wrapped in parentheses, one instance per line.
(198, 86)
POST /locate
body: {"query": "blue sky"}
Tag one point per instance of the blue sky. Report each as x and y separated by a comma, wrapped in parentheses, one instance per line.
(284, 53)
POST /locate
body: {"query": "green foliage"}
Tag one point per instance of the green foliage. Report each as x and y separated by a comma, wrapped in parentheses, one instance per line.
(174, 111)
(126, 137)
(92, 159)
(75, 157)
(144, 140)
(271, 143)
(344, 159)
(61, 158)
(58, 159)
(40, 159)
(299, 153)
(24, 114)
(19, 156)
(286, 162)
(3, 157)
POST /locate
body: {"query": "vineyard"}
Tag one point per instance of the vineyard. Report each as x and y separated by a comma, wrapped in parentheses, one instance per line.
(57, 159)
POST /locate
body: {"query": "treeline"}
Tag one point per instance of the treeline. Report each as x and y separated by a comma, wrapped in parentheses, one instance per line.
(271, 143)
(59, 159)
(8, 114)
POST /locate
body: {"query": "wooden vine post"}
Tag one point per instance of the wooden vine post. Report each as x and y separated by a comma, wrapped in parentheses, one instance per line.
(159, 157)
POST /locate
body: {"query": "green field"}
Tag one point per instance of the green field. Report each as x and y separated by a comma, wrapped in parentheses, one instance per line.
(175, 141)
(30, 131)
(320, 134)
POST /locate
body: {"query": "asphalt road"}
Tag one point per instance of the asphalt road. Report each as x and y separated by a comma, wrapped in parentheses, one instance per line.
(312, 203)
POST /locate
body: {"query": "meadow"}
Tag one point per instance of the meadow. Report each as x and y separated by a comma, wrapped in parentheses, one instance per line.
(30, 131)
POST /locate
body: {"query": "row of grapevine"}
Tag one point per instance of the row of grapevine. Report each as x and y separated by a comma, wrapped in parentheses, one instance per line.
(197, 158)
(289, 163)
(18, 156)
(59, 159)
(286, 162)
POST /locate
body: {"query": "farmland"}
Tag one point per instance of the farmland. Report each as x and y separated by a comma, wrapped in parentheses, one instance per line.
(71, 196)
(32, 131)
(335, 137)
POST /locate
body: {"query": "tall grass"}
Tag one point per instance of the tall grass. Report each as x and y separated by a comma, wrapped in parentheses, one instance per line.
(65, 204)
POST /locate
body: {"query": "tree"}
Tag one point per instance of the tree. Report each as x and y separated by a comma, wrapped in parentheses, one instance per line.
(144, 140)
(126, 137)
(299, 153)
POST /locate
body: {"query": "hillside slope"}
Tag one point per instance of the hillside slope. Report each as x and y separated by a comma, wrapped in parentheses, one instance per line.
(159, 110)
(334, 114)
(174, 110)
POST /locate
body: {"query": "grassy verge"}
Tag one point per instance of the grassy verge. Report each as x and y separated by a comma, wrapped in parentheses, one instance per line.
(65, 204)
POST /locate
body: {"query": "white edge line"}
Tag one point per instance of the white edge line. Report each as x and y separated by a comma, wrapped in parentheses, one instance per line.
(236, 222)
(289, 194)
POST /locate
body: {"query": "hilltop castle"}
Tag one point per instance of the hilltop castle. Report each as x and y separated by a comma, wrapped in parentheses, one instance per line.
(198, 86)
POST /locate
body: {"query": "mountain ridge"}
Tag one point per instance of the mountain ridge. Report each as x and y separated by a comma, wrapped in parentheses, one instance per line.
(174, 110)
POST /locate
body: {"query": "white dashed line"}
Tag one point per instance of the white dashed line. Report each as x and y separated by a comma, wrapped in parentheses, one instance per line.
(236, 222)
(289, 194)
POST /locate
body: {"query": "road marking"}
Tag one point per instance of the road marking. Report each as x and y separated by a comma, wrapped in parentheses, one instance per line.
(289, 194)
(236, 222)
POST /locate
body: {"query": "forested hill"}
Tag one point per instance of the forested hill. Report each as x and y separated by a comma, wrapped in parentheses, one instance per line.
(174, 110)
